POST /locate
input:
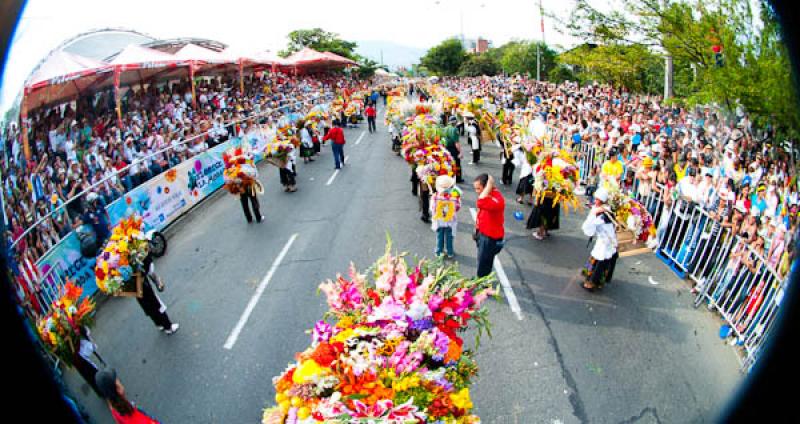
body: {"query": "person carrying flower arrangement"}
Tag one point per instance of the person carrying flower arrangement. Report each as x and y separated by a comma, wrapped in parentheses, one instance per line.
(600, 266)
(444, 206)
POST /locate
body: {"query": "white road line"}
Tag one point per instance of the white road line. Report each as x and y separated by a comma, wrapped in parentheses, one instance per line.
(330, 180)
(257, 295)
(360, 137)
(501, 275)
(336, 172)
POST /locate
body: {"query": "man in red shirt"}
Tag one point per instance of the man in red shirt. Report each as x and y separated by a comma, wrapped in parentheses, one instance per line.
(489, 224)
(337, 135)
(371, 113)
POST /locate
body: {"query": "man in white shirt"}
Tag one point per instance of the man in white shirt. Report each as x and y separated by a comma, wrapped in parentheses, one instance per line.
(603, 257)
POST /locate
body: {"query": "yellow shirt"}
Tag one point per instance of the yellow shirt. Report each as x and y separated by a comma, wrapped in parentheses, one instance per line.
(680, 173)
(612, 169)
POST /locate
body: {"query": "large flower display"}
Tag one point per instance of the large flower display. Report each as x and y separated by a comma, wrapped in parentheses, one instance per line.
(123, 255)
(388, 349)
(631, 214)
(240, 170)
(277, 150)
(555, 176)
(433, 160)
(60, 328)
(420, 132)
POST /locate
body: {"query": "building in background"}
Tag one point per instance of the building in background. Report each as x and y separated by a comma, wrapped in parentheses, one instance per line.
(476, 46)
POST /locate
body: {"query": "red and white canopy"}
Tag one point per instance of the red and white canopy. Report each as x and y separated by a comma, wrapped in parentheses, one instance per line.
(62, 76)
(311, 58)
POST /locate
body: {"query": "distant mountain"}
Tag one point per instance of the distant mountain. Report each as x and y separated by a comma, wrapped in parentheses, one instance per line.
(394, 55)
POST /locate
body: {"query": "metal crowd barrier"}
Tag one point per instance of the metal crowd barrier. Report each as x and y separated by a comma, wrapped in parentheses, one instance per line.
(289, 106)
(696, 245)
(48, 286)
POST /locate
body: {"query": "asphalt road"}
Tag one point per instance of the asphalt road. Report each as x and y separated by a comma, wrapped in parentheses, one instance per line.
(635, 352)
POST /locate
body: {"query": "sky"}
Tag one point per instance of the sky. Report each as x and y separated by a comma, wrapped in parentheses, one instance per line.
(263, 25)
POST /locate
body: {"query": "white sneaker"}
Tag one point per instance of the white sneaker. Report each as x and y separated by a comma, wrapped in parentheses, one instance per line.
(160, 328)
(173, 329)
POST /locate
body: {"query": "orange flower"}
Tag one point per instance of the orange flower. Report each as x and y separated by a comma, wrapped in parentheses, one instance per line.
(453, 352)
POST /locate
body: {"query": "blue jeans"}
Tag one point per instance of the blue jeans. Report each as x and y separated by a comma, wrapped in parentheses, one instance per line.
(487, 249)
(444, 236)
(338, 154)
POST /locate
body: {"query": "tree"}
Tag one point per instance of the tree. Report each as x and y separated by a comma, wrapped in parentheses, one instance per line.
(446, 58)
(721, 53)
(633, 67)
(480, 64)
(519, 57)
(321, 41)
(561, 73)
(367, 67)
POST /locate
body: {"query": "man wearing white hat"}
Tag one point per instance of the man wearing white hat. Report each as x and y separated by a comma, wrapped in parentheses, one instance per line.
(603, 258)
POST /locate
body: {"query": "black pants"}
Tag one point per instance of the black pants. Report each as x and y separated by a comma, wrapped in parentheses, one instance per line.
(250, 195)
(414, 182)
(508, 172)
(371, 123)
(287, 177)
(476, 156)
(151, 306)
(87, 370)
(454, 153)
(488, 248)
(425, 202)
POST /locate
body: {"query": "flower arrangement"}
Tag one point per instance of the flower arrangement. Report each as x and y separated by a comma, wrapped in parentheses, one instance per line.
(278, 149)
(631, 213)
(123, 254)
(433, 160)
(555, 177)
(60, 328)
(388, 349)
(419, 133)
(240, 170)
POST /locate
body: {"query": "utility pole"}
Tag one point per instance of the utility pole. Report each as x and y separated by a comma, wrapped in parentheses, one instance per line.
(461, 15)
(667, 76)
(539, 45)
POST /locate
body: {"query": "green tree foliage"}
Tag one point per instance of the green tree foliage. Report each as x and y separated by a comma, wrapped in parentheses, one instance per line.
(446, 58)
(751, 69)
(480, 64)
(519, 57)
(321, 41)
(631, 66)
(561, 73)
(367, 67)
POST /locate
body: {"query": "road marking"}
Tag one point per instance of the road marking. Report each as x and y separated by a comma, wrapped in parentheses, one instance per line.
(336, 172)
(330, 180)
(360, 137)
(501, 275)
(257, 295)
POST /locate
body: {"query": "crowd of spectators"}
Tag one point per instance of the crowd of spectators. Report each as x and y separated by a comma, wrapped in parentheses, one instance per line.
(81, 147)
(703, 156)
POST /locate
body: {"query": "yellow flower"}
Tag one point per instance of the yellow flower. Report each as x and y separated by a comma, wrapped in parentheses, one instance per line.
(406, 383)
(461, 399)
(306, 371)
(343, 335)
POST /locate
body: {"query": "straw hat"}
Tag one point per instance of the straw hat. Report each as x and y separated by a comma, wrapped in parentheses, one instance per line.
(444, 182)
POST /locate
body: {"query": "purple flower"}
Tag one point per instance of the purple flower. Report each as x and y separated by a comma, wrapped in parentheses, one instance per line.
(422, 324)
(322, 332)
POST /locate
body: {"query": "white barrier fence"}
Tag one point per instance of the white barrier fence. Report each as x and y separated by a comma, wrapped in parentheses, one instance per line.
(732, 277)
